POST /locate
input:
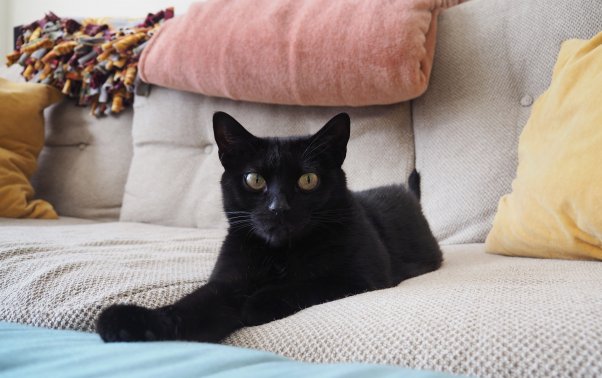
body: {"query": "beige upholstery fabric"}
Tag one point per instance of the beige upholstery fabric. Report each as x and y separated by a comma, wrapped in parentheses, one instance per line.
(62, 221)
(84, 165)
(480, 314)
(61, 276)
(175, 172)
(493, 58)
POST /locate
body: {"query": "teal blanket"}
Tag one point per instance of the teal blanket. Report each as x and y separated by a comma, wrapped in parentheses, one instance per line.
(37, 352)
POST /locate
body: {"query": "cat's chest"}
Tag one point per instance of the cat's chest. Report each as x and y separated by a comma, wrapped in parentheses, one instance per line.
(291, 264)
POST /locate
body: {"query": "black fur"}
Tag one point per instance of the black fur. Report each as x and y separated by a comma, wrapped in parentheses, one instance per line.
(414, 183)
(288, 249)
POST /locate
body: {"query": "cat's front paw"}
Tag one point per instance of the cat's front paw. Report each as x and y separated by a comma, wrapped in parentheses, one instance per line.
(134, 323)
(265, 306)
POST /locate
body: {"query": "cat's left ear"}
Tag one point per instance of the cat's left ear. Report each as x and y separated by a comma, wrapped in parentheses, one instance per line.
(332, 138)
(231, 137)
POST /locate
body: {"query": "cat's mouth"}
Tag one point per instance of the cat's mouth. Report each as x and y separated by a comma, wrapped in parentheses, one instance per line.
(278, 232)
(276, 235)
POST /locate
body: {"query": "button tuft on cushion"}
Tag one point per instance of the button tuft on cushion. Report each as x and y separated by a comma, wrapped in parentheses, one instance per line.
(208, 148)
(81, 146)
(526, 100)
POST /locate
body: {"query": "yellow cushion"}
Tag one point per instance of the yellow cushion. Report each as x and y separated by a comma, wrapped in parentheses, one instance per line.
(21, 140)
(555, 208)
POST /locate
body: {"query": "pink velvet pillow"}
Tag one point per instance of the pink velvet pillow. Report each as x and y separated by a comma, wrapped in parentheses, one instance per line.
(298, 52)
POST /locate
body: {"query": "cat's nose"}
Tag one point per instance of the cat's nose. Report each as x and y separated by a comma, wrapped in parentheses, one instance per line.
(279, 205)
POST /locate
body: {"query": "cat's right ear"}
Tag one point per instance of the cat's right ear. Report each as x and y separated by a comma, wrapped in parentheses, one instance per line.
(332, 139)
(231, 137)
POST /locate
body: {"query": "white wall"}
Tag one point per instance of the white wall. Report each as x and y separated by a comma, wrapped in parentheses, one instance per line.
(5, 35)
(18, 12)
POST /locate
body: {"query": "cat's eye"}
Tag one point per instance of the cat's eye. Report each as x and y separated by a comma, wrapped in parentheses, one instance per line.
(255, 181)
(308, 181)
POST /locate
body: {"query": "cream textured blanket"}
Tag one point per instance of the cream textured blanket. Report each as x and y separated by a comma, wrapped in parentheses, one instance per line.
(480, 314)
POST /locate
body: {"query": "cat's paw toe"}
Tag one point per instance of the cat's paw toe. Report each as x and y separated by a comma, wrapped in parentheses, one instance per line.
(134, 323)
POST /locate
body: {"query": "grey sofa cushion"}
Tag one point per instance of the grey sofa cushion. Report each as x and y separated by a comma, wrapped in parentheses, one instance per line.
(493, 58)
(480, 314)
(175, 172)
(83, 167)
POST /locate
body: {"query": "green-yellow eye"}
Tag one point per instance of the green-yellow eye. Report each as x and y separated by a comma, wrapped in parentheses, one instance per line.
(255, 181)
(308, 181)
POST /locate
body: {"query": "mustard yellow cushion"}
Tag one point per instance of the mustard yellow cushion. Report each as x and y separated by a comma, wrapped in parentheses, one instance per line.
(555, 208)
(21, 140)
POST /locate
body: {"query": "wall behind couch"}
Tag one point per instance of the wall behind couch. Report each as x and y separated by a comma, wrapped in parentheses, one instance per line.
(17, 12)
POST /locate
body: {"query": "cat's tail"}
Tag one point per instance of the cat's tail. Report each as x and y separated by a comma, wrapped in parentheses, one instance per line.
(414, 183)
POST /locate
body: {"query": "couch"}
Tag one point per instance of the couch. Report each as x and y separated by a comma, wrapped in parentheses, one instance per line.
(140, 223)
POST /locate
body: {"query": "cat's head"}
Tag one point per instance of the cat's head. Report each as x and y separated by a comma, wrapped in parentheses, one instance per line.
(281, 188)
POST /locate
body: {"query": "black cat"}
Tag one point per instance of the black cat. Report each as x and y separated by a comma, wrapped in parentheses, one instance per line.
(297, 237)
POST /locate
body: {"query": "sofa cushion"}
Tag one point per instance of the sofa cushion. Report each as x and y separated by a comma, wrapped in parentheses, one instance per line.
(175, 172)
(298, 52)
(75, 270)
(84, 164)
(21, 140)
(555, 206)
(480, 314)
(492, 59)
